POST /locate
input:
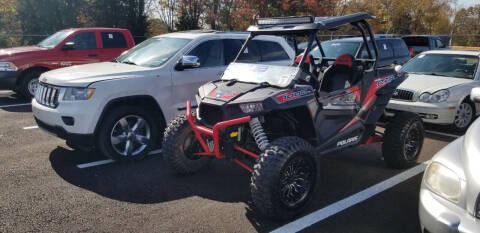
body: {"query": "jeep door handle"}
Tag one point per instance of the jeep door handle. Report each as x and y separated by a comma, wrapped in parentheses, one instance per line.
(92, 55)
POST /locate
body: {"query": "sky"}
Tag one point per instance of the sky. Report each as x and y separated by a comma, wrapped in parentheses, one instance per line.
(467, 3)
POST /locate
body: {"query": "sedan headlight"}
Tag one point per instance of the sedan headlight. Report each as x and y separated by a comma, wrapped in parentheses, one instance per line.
(251, 107)
(437, 97)
(7, 66)
(477, 207)
(78, 93)
(443, 181)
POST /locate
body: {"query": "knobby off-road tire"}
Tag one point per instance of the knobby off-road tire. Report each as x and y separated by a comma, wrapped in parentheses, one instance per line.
(286, 165)
(403, 140)
(179, 146)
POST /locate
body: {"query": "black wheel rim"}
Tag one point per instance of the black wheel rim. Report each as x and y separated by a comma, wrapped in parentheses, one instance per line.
(412, 142)
(296, 181)
(191, 146)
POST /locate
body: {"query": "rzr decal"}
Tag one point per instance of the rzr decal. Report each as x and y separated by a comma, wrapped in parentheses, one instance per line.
(382, 81)
(292, 95)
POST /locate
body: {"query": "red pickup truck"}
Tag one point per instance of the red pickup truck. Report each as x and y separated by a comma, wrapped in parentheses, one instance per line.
(20, 67)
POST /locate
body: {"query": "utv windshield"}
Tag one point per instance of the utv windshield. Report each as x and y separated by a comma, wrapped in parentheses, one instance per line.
(53, 40)
(274, 75)
(451, 65)
(153, 52)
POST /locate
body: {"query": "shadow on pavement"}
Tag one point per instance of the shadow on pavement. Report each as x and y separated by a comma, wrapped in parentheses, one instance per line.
(13, 99)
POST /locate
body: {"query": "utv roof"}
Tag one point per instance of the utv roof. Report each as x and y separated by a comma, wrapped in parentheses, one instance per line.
(304, 24)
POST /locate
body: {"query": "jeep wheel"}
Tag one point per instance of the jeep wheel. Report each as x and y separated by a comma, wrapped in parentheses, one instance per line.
(127, 133)
(180, 145)
(29, 83)
(403, 140)
(284, 178)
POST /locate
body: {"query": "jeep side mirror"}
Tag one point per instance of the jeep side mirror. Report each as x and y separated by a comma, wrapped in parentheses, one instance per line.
(188, 62)
(68, 46)
(398, 68)
(475, 94)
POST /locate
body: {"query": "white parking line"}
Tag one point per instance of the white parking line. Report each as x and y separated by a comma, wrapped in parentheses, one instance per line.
(5, 92)
(443, 134)
(96, 163)
(107, 161)
(348, 202)
(31, 127)
(14, 105)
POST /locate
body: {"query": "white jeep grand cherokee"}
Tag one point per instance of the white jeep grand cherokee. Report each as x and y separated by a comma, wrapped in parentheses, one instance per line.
(122, 107)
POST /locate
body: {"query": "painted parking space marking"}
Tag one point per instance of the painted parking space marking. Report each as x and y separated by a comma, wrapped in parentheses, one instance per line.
(31, 127)
(96, 163)
(348, 202)
(14, 105)
(443, 134)
(107, 161)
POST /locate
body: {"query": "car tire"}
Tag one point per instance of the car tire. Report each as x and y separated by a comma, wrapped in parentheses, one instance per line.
(464, 116)
(179, 146)
(284, 178)
(403, 140)
(127, 133)
(29, 83)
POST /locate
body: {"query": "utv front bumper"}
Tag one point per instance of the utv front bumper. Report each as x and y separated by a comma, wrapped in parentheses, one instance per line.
(215, 148)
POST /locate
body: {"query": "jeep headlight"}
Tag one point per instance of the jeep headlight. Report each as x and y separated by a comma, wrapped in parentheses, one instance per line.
(78, 93)
(251, 107)
(437, 97)
(7, 66)
(443, 181)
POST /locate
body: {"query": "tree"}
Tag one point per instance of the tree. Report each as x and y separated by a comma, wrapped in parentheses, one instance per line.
(467, 26)
(189, 12)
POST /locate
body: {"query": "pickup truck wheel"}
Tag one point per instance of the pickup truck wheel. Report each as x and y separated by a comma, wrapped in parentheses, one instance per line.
(403, 140)
(29, 83)
(284, 178)
(127, 133)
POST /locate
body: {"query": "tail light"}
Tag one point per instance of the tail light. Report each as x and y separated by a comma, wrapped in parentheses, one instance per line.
(412, 53)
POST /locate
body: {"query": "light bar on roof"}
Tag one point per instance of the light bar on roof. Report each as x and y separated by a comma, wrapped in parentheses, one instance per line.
(285, 20)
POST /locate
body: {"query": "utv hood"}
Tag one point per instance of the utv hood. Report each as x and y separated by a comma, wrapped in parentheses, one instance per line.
(225, 91)
(84, 75)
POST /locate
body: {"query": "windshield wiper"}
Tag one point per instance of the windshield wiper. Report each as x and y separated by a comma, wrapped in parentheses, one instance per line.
(129, 63)
(436, 74)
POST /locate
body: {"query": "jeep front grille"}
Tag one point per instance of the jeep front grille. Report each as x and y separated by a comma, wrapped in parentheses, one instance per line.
(402, 95)
(47, 95)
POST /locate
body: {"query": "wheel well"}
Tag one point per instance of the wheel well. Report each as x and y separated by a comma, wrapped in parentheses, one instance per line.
(36, 68)
(468, 100)
(299, 118)
(147, 102)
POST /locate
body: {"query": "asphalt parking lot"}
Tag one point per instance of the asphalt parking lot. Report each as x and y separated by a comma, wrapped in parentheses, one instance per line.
(46, 186)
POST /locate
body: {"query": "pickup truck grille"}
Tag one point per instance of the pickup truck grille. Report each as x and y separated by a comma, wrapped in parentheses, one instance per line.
(402, 95)
(47, 95)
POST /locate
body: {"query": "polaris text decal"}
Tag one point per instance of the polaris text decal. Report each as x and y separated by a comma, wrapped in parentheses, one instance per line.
(292, 95)
(347, 141)
(382, 81)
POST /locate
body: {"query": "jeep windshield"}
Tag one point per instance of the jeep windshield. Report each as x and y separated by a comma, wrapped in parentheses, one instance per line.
(274, 75)
(153, 52)
(53, 40)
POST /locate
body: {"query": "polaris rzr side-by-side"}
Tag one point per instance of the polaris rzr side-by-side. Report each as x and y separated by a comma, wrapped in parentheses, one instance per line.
(274, 120)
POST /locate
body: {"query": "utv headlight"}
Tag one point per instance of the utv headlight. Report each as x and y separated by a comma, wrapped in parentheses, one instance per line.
(443, 181)
(437, 97)
(78, 93)
(7, 66)
(251, 107)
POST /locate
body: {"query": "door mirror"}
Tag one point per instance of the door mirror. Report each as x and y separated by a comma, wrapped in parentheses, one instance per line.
(188, 62)
(68, 46)
(398, 68)
(475, 95)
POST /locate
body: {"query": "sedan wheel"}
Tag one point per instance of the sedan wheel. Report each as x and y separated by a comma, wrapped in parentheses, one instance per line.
(464, 116)
(130, 135)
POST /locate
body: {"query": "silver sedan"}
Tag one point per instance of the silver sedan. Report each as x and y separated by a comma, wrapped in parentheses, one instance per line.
(450, 192)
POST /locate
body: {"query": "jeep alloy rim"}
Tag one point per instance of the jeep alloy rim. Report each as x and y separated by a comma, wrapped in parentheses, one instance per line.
(130, 135)
(464, 115)
(296, 181)
(412, 142)
(32, 86)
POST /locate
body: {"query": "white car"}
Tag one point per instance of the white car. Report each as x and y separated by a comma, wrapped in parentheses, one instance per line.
(438, 88)
(450, 191)
(122, 107)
